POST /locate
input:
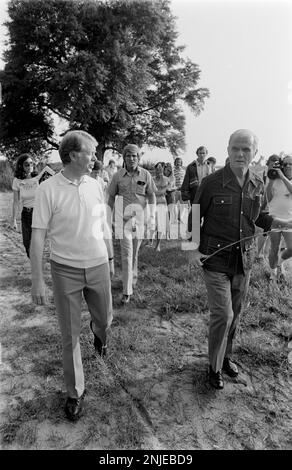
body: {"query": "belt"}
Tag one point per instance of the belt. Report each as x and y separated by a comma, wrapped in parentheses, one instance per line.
(27, 209)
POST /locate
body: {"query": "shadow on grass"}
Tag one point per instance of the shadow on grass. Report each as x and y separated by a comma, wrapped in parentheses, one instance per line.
(258, 354)
(40, 408)
(35, 345)
(25, 311)
(15, 282)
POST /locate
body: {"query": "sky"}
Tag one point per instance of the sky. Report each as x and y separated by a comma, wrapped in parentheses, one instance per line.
(244, 52)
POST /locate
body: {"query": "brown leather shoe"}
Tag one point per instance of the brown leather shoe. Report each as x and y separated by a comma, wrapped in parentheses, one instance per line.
(74, 407)
(229, 367)
(215, 379)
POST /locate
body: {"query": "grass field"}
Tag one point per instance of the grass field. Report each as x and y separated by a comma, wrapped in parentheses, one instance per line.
(151, 391)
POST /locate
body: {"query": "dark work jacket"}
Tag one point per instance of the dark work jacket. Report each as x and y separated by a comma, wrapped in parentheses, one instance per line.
(190, 183)
(230, 214)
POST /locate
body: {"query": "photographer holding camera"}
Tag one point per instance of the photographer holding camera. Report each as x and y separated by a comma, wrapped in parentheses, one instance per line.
(279, 201)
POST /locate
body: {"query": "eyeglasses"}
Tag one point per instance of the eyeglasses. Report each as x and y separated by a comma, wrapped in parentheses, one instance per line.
(287, 164)
(28, 164)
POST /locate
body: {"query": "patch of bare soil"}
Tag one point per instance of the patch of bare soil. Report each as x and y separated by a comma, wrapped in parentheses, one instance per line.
(151, 392)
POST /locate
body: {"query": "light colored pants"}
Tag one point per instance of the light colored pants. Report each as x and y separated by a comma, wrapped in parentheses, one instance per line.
(226, 297)
(129, 251)
(68, 285)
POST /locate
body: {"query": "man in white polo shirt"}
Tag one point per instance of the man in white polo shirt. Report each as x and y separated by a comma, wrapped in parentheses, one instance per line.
(70, 206)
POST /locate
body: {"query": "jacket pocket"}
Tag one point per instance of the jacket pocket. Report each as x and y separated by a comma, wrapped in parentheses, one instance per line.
(222, 205)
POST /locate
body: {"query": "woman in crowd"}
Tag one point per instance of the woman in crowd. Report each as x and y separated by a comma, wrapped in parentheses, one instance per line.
(279, 199)
(24, 186)
(162, 183)
(170, 193)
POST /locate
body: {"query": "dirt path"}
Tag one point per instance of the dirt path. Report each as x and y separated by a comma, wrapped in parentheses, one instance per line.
(156, 399)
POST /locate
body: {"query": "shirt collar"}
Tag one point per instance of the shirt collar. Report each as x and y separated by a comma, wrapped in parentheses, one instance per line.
(199, 164)
(125, 172)
(63, 181)
(228, 176)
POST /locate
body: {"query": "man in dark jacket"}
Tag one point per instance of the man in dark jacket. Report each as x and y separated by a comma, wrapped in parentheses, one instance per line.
(195, 172)
(230, 202)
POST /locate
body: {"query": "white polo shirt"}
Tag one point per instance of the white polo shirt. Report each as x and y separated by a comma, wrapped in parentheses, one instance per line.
(74, 215)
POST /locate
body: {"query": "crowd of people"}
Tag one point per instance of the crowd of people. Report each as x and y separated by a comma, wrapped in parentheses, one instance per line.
(84, 204)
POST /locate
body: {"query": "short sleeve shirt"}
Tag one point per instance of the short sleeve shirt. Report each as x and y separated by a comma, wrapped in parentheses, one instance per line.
(74, 216)
(133, 188)
(27, 189)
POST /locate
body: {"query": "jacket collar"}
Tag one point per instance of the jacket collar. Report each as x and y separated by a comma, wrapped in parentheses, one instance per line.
(228, 176)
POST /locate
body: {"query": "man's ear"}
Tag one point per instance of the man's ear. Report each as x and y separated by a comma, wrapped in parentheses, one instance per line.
(72, 155)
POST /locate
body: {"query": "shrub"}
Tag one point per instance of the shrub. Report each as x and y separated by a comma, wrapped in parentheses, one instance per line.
(6, 176)
(148, 165)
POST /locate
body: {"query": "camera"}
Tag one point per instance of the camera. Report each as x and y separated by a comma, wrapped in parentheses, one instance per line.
(272, 172)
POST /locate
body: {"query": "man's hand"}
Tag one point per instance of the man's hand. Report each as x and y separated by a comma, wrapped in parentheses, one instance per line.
(38, 292)
(280, 174)
(195, 258)
(112, 268)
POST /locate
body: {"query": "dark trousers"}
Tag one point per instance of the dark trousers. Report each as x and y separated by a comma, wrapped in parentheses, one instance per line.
(26, 220)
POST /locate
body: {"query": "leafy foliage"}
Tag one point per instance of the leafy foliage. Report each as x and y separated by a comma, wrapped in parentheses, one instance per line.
(111, 68)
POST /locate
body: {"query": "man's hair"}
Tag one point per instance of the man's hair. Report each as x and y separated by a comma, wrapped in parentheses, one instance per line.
(273, 158)
(245, 132)
(131, 148)
(72, 141)
(201, 148)
(287, 155)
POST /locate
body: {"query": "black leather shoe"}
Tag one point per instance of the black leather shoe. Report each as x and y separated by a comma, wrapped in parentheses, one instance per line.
(74, 407)
(98, 346)
(229, 367)
(215, 379)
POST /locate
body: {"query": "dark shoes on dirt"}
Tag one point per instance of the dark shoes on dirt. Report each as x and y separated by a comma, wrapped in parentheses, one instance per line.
(99, 347)
(215, 379)
(74, 407)
(229, 367)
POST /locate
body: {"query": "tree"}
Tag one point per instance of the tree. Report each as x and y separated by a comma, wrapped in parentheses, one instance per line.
(109, 67)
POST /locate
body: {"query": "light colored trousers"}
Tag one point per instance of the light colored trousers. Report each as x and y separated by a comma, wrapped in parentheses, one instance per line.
(68, 286)
(226, 297)
(129, 252)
